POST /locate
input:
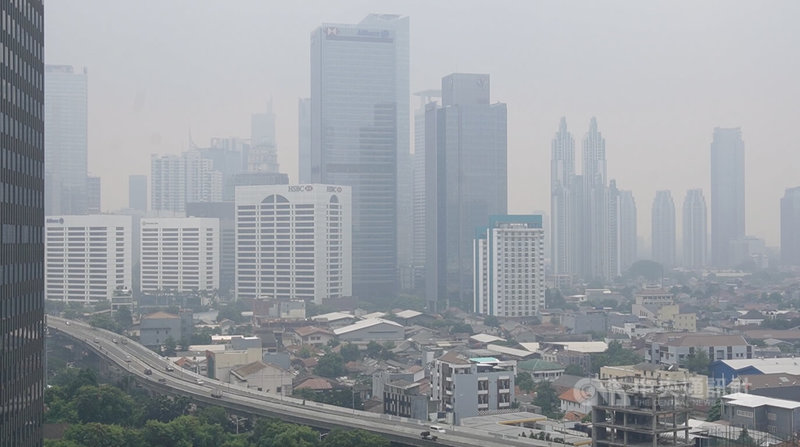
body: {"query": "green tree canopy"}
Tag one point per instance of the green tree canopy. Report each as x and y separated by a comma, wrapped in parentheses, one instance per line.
(698, 363)
(330, 365)
(524, 381)
(354, 438)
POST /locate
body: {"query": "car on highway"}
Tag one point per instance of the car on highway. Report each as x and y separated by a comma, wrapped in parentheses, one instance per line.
(169, 368)
(162, 380)
(199, 381)
(216, 393)
(114, 340)
(148, 371)
(437, 428)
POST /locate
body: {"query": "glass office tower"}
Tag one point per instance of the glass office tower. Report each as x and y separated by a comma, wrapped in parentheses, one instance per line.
(22, 326)
(359, 130)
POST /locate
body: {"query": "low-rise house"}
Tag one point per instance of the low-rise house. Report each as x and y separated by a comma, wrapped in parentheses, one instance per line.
(575, 400)
(157, 327)
(541, 370)
(376, 329)
(408, 399)
(263, 377)
(221, 363)
(677, 348)
(312, 336)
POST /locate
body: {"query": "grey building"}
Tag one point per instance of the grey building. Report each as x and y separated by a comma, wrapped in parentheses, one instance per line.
(562, 201)
(594, 219)
(224, 211)
(93, 195)
(157, 327)
(466, 387)
(304, 140)
(777, 416)
(727, 194)
(790, 227)
(65, 139)
(676, 348)
(465, 183)
(418, 202)
(628, 236)
(585, 321)
(614, 265)
(263, 152)
(137, 192)
(359, 130)
(695, 229)
(178, 179)
(22, 158)
(663, 229)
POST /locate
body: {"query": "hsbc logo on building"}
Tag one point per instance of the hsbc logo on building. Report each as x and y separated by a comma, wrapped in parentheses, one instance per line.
(301, 188)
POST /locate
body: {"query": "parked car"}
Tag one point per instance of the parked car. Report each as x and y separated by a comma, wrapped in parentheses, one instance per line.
(148, 371)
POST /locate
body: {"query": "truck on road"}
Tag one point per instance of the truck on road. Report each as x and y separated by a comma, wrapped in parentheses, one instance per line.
(216, 393)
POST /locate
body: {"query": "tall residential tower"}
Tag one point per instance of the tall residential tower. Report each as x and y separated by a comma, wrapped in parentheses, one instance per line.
(663, 233)
(562, 201)
(727, 195)
(695, 229)
(790, 227)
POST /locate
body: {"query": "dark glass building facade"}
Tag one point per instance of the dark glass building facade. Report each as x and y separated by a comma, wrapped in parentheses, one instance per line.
(22, 326)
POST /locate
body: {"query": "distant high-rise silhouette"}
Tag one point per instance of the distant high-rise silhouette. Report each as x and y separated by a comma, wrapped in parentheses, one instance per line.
(562, 201)
(359, 130)
(790, 227)
(304, 140)
(595, 206)
(94, 194)
(419, 237)
(727, 194)
(695, 229)
(176, 180)
(663, 225)
(263, 153)
(65, 139)
(137, 192)
(628, 236)
(466, 182)
(22, 324)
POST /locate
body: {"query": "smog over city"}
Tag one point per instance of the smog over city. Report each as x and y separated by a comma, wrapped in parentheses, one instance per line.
(394, 223)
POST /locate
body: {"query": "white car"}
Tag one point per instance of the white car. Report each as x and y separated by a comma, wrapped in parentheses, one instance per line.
(199, 381)
(437, 428)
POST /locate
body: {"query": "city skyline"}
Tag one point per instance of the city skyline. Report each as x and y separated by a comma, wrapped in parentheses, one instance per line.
(151, 116)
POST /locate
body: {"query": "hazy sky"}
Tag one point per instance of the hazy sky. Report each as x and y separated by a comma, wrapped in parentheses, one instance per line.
(659, 76)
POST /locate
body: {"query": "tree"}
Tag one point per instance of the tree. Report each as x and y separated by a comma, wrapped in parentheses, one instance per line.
(715, 412)
(698, 363)
(170, 345)
(374, 349)
(547, 399)
(574, 370)
(491, 321)
(350, 352)
(123, 317)
(745, 438)
(354, 438)
(104, 404)
(330, 365)
(102, 435)
(615, 355)
(525, 382)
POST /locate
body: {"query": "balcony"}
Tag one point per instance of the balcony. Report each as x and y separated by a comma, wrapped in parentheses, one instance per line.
(504, 391)
(483, 392)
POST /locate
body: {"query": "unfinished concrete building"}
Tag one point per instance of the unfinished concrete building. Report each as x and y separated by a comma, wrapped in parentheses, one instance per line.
(625, 415)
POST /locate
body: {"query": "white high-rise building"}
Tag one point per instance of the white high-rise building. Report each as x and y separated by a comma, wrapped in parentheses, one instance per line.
(695, 229)
(509, 279)
(179, 254)
(562, 201)
(663, 226)
(293, 242)
(727, 195)
(87, 257)
(178, 179)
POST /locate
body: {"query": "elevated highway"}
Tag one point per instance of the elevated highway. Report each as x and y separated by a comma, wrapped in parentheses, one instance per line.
(135, 358)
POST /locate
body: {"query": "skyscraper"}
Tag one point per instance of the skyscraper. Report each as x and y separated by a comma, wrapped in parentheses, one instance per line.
(359, 130)
(304, 140)
(419, 239)
(562, 201)
(466, 182)
(509, 267)
(790, 227)
(22, 156)
(137, 192)
(727, 194)
(263, 153)
(614, 265)
(695, 229)
(65, 139)
(628, 236)
(663, 233)
(595, 205)
(94, 194)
